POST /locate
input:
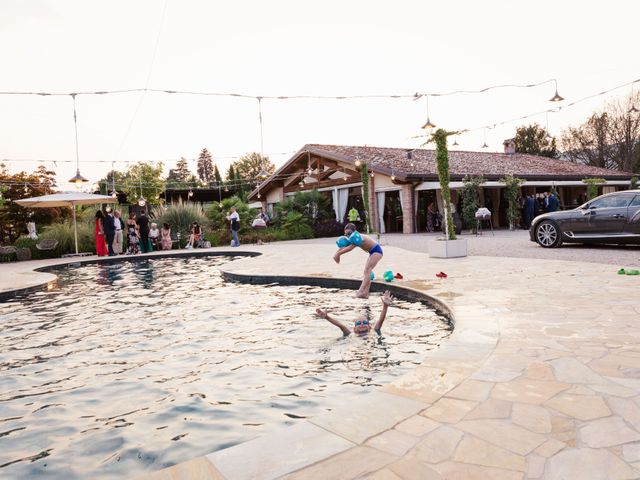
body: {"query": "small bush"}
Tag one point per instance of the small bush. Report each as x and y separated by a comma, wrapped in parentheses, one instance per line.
(63, 233)
(180, 216)
(329, 228)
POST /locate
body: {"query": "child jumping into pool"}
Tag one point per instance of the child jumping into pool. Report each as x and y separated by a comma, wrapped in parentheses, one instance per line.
(361, 325)
(353, 239)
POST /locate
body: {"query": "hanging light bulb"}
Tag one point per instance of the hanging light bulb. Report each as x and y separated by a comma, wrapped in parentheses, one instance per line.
(371, 174)
(393, 177)
(301, 184)
(142, 202)
(556, 97)
(484, 145)
(226, 188)
(428, 125)
(358, 162)
(262, 175)
(77, 178)
(190, 194)
(455, 141)
(114, 194)
(259, 195)
(26, 189)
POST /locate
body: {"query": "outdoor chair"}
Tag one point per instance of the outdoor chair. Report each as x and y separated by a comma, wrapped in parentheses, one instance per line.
(47, 244)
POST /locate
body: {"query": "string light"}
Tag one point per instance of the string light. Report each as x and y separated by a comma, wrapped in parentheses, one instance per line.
(77, 178)
(428, 125)
(484, 145)
(633, 108)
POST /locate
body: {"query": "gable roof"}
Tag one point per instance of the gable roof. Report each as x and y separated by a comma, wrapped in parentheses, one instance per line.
(493, 166)
(467, 163)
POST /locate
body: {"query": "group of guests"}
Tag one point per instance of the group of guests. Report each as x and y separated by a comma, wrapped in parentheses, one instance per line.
(536, 204)
(142, 235)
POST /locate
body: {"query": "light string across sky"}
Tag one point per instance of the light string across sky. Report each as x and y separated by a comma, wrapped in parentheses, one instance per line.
(415, 96)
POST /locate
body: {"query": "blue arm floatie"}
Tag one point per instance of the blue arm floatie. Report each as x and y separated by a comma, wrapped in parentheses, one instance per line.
(355, 238)
(343, 242)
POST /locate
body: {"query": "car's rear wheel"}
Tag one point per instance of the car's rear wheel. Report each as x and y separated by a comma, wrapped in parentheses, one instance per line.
(548, 234)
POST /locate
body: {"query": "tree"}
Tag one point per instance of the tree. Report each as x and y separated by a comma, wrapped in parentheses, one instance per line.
(589, 143)
(231, 174)
(24, 185)
(608, 139)
(205, 167)
(146, 179)
(592, 186)
(535, 140)
(216, 174)
(250, 165)
(180, 174)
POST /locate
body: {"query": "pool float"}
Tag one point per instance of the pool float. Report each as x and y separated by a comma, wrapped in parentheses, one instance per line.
(441, 275)
(388, 276)
(373, 276)
(355, 239)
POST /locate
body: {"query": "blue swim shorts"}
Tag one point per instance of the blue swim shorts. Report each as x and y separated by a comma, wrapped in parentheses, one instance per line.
(376, 249)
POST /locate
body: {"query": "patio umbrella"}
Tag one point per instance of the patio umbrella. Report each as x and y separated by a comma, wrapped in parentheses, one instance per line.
(67, 199)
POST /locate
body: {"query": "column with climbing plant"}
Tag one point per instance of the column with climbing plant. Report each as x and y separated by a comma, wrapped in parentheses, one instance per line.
(442, 165)
(364, 175)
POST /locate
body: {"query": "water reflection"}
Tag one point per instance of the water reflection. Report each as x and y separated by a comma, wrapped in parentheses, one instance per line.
(136, 366)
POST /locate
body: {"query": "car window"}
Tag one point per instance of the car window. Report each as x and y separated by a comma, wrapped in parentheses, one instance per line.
(612, 201)
(635, 202)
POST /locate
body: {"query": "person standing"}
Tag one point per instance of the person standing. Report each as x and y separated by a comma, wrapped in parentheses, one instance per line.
(133, 240)
(234, 218)
(118, 237)
(165, 237)
(101, 244)
(143, 229)
(109, 226)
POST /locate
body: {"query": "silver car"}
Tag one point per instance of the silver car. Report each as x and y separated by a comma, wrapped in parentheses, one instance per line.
(609, 218)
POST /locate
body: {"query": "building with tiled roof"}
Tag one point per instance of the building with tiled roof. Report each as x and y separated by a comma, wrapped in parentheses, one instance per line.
(404, 182)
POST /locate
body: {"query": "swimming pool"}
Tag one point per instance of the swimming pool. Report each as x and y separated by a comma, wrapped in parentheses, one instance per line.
(140, 365)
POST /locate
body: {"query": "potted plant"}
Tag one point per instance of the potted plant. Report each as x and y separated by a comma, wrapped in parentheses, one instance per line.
(450, 246)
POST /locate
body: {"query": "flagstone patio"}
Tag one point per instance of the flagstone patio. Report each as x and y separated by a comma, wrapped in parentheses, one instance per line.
(540, 378)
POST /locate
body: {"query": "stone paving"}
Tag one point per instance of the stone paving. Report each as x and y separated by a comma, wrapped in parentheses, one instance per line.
(539, 380)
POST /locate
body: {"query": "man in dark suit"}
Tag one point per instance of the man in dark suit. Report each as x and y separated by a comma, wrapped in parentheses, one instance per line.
(143, 226)
(109, 227)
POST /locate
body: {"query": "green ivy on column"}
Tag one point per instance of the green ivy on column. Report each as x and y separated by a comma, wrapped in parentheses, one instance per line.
(364, 175)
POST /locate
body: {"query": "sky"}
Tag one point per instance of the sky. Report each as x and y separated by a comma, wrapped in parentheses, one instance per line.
(283, 48)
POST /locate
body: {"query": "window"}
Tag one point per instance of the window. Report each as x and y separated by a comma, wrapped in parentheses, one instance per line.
(612, 201)
(635, 202)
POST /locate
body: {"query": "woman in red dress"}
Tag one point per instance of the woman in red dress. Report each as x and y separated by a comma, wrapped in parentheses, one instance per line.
(101, 243)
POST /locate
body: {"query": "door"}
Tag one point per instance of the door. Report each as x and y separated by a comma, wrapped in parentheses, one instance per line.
(605, 215)
(633, 214)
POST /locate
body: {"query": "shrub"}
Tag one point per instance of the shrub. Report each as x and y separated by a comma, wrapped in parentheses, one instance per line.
(592, 186)
(63, 233)
(217, 214)
(329, 228)
(471, 199)
(313, 205)
(180, 216)
(294, 226)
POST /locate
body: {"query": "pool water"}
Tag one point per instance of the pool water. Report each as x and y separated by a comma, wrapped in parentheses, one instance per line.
(136, 366)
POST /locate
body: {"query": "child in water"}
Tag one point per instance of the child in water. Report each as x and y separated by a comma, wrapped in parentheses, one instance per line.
(361, 325)
(353, 239)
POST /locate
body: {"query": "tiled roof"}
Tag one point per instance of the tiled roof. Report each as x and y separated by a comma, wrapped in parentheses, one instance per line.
(464, 163)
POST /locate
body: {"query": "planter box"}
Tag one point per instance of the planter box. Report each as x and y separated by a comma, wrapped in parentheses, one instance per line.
(448, 248)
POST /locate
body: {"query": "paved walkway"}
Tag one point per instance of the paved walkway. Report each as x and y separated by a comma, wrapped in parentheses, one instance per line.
(540, 379)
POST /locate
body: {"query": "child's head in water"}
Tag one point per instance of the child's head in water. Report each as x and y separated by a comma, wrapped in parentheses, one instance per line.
(361, 325)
